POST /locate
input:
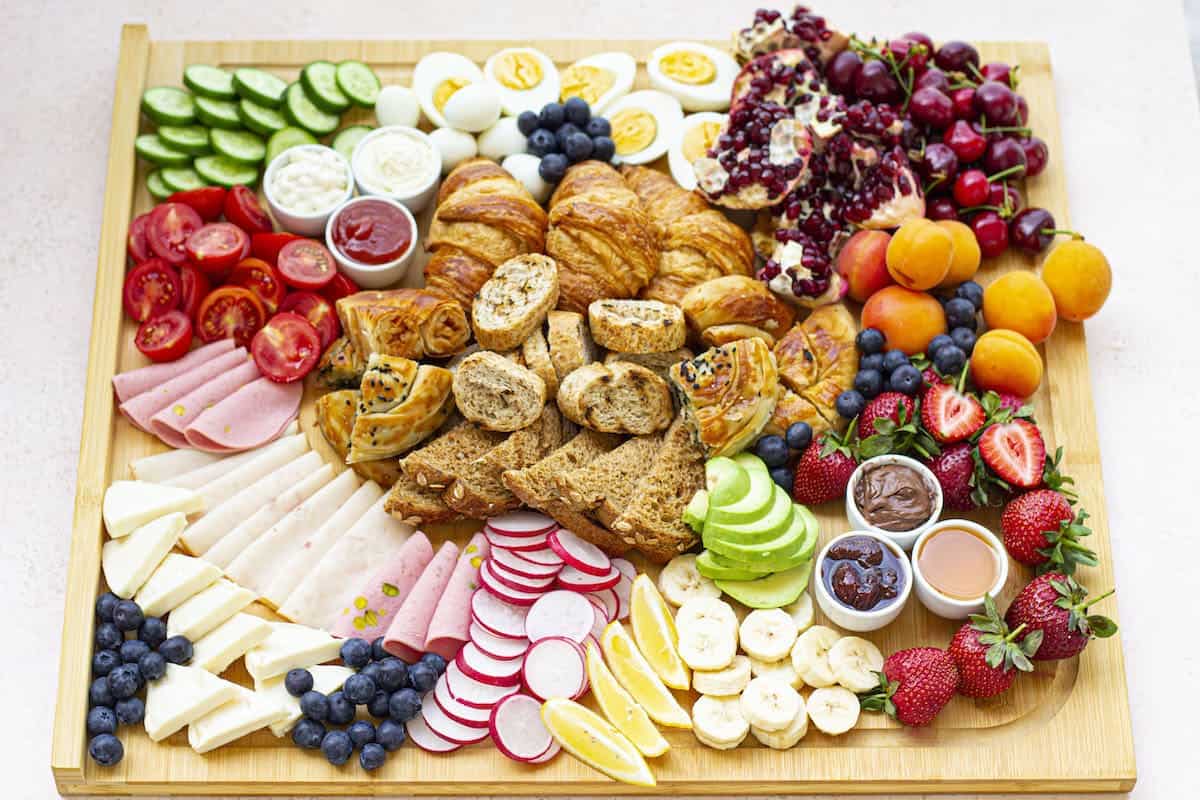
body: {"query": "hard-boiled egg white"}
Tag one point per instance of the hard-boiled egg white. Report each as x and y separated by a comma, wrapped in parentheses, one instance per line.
(524, 167)
(397, 105)
(600, 79)
(643, 125)
(699, 76)
(696, 135)
(472, 108)
(438, 77)
(502, 139)
(526, 79)
(454, 146)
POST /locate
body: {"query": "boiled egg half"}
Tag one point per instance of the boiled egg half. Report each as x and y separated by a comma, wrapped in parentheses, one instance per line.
(643, 125)
(697, 134)
(600, 79)
(526, 79)
(438, 77)
(699, 76)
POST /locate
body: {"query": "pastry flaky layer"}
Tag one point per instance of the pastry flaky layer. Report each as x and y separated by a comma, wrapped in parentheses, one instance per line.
(817, 360)
(412, 323)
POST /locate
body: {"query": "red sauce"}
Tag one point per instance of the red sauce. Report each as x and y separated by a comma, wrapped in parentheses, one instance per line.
(372, 232)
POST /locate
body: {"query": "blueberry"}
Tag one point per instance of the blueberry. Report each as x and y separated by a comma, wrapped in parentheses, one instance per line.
(153, 666)
(105, 604)
(949, 360)
(308, 734)
(341, 710)
(937, 343)
(127, 615)
(603, 149)
(314, 705)
(527, 123)
(359, 689)
(577, 110)
(868, 383)
(372, 756)
(869, 341)
(377, 651)
(960, 313)
(541, 142)
(297, 682)
(153, 631)
(552, 167)
(422, 677)
(893, 360)
(906, 379)
(404, 705)
(98, 693)
(392, 674)
(177, 650)
(133, 650)
(597, 127)
(578, 147)
(131, 710)
(337, 747)
(433, 660)
(964, 339)
(106, 750)
(799, 435)
(361, 732)
(124, 681)
(108, 636)
(390, 734)
(371, 671)
(562, 134)
(850, 403)
(105, 661)
(873, 361)
(783, 477)
(101, 719)
(551, 116)
(971, 291)
(356, 653)
(773, 450)
(378, 707)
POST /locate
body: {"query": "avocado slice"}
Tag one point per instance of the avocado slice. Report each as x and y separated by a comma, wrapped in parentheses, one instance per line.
(711, 565)
(763, 528)
(774, 591)
(726, 480)
(787, 545)
(755, 502)
(696, 511)
(812, 529)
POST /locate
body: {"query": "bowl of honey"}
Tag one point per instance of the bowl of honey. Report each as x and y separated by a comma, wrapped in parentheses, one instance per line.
(955, 564)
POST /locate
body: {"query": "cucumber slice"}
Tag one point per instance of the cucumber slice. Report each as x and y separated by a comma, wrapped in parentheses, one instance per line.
(358, 82)
(209, 81)
(167, 105)
(188, 138)
(287, 138)
(301, 112)
(158, 189)
(181, 179)
(348, 138)
(319, 80)
(225, 171)
(156, 151)
(241, 146)
(260, 87)
(260, 119)
(218, 113)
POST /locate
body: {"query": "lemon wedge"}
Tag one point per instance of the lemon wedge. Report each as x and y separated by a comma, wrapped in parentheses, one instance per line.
(639, 678)
(621, 709)
(654, 632)
(588, 736)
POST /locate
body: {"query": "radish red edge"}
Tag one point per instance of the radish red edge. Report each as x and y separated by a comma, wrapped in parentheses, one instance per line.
(473, 693)
(493, 671)
(495, 615)
(450, 730)
(555, 667)
(517, 729)
(581, 554)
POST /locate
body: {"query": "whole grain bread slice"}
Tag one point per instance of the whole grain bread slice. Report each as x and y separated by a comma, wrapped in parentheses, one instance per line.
(416, 505)
(604, 485)
(435, 465)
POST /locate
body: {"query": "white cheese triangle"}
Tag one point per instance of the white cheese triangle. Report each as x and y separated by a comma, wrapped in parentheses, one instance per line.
(181, 696)
(228, 642)
(204, 611)
(176, 579)
(327, 678)
(290, 646)
(131, 504)
(129, 561)
(247, 712)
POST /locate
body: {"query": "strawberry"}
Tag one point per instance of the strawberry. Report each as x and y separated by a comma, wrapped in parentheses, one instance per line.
(1014, 404)
(824, 469)
(915, 685)
(890, 424)
(930, 377)
(988, 654)
(886, 405)
(949, 414)
(1015, 452)
(1042, 530)
(954, 468)
(1056, 606)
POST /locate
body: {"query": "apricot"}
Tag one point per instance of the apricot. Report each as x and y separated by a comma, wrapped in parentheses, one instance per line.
(919, 254)
(965, 262)
(863, 263)
(1019, 301)
(1005, 361)
(907, 319)
(1079, 279)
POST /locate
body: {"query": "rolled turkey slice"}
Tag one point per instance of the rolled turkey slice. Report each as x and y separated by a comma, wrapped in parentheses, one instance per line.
(141, 408)
(448, 629)
(135, 381)
(405, 636)
(367, 610)
(170, 422)
(264, 463)
(251, 416)
(173, 463)
(224, 464)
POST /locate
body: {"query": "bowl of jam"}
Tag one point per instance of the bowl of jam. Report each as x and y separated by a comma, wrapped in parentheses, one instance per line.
(864, 580)
(894, 496)
(955, 563)
(373, 239)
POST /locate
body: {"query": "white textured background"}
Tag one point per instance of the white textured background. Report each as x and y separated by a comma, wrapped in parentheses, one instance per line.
(1129, 114)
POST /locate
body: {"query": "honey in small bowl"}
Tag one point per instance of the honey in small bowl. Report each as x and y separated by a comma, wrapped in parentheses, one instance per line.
(959, 563)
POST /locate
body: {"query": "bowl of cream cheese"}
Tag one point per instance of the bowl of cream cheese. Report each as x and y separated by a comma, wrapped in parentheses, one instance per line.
(398, 162)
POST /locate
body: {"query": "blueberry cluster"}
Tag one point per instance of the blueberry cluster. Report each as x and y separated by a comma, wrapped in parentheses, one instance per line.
(949, 352)
(879, 370)
(390, 689)
(776, 451)
(121, 667)
(562, 134)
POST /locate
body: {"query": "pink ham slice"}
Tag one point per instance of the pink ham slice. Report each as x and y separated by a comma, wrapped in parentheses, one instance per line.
(140, 408)
(135, 381)
(250, 417)
(369, 611)
(406, 635)
(171, 422)
(448, 627)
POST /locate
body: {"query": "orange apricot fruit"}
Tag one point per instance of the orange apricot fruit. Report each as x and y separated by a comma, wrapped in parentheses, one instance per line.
(907, 319)
(919, 254)
(965, 261)
(1005, 361)
(1019, 301)
(1079, 279)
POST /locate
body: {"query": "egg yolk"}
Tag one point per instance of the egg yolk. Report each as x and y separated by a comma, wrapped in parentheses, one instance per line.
(699, 138)
(441, 94)
(633, 130)
(688, 66)
(518, 71)
(590, 83)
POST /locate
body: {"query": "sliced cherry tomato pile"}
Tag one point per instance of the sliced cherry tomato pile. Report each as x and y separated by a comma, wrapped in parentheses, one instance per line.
(209, 262)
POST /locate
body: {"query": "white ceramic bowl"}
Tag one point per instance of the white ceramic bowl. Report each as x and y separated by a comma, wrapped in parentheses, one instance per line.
(852, 619)
(374, 276)
(905, 539)
(303, 224)
(415, 200)
(941, 604)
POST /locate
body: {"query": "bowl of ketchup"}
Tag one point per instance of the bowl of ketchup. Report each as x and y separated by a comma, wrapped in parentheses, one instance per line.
(373, 239)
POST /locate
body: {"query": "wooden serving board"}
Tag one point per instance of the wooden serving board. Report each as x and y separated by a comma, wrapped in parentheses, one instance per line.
(1066, 727)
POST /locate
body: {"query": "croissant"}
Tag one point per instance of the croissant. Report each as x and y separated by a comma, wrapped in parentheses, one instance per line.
(484, 217)
(697, 243)
(335, 419)
(411, 323)
(736, 302)
(817, 361)
(601, 237)
(421, 411)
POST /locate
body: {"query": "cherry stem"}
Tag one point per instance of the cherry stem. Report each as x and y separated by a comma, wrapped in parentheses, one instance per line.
(971, 66)
(1061, 232)
(1021, 129)
(973, 209)
(1004, 173)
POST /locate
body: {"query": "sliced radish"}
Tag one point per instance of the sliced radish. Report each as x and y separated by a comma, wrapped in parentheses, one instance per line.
(560, 613)
(449, 729)
(494, 585)
(600, 624)
(608, 602)
(625, 567)
(545, 557)
(522, 523)
(580, 581)
(473, 693)
(426, 739)
(497, 539)
(477, 664)
(550, 753)
(518, 731)
(459, 712)
(623, 590)
(555, 667)
(497, 616)
(516, 580)
(496, 646)
(594, 641)
(514, 562)
(578, 553)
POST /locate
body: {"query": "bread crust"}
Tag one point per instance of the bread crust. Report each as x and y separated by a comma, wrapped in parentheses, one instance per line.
(497, 394)
(513, 303)
(536, 354)
(637, 326)
(616, 398)
(570, 342)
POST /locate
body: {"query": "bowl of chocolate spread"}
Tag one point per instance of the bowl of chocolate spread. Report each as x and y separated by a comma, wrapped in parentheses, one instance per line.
(894, 496)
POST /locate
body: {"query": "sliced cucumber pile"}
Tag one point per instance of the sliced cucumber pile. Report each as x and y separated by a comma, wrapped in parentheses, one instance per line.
(348, 138)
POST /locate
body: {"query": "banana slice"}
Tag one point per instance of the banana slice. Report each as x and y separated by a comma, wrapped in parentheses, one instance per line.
(810, 656)
(801, 612)
(786, 738)
(854, 662)
(724, 682)
(718, 722)
(770, 704)
(705, 609)
(708, 645)
(768, 634)
(834, 710)
(680, 581)
(780, 670)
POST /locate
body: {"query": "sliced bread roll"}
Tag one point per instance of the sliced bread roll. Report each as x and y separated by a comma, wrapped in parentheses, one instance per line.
(497, 394)
(637, 326)
(536, 354)
(570, 342)
(514, 301)
(616, 398)
(658, 363)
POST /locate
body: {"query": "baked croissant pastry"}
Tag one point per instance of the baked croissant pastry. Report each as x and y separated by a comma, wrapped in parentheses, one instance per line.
(335, 420)
(817, 361)
(696, 242)
(411, 323)
(484, 217)
(736, 300)
(423, 409)
(385, 383)
(601, 237)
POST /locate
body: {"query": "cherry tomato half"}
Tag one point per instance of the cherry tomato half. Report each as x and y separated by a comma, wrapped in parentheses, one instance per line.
(267, 245)
(306, 264)
(207, 201)
(195, 288)
(138, 245)
(261, 278)
(151, 288)
(168, 230)
(242, 209)
(318, 311)
(216, 247)
(287, 348)
(165, 337)
(230, 312)
(339, 287)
